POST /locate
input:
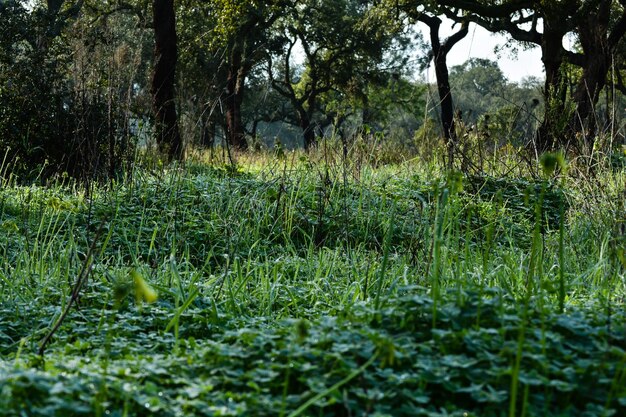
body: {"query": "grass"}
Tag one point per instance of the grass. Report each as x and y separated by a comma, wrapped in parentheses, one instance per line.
(310, 286)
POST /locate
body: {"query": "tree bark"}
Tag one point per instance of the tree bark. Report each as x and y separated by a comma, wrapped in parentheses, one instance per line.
(593, 32)
(234, 98)
(163, 80)
(308, 132)
(549, 133)
(440, 56)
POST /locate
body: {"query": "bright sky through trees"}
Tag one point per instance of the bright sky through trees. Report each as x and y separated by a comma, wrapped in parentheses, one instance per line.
(480, 43)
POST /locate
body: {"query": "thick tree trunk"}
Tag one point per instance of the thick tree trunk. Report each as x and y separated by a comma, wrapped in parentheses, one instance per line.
(234, 99)
(163, 80)
(446, 103)
(366, 112)
(308, 131)
(305, 119)
(586, 97)
(593, 35)
(549, 134)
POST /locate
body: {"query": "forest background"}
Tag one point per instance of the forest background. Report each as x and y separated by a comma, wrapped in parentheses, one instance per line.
(84, 86)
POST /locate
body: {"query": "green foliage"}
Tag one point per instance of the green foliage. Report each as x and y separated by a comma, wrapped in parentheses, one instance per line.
(498, 110)
(519, 198)
(62, 109)
(33, 119)
(351, 55)
(246, 367)
(347, 281)
(313, 289)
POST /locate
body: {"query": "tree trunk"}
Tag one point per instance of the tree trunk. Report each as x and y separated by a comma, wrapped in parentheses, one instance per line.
(549, 134)
(304, 116)
(308, 131)
(207, 135)
(446, 103)
(440, 56)
(234, 98)
(163, 80)
(593, 35)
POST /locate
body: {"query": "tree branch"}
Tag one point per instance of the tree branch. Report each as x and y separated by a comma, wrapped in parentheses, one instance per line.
(574, 58)
(456, 37)
(502, 10)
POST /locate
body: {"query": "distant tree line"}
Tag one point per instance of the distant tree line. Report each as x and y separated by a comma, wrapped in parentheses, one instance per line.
(85, 85)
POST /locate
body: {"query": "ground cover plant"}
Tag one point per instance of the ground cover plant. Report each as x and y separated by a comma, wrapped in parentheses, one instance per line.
(299, 286)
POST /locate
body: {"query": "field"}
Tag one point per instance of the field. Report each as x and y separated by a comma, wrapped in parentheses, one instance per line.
(299, 285)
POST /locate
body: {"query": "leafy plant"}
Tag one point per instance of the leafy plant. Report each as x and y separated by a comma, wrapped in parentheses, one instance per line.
(304, 291)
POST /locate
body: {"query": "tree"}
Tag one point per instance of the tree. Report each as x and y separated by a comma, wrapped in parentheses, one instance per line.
(479, 85)
(439, 53)
(599, 31)
(340, 42)
(165, 56)
(600, 25)
(112, 45)
(37, 117)
(238, 35)
(201, 71)
(248, 41)
(501, 111)
(56, 15)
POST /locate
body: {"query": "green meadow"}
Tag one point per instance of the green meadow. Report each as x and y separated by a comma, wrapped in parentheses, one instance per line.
(315, 285)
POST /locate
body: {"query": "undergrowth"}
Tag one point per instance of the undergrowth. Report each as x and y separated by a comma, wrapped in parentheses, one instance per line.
(307, 287)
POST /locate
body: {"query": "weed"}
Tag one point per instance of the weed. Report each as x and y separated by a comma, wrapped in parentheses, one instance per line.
(313, 288)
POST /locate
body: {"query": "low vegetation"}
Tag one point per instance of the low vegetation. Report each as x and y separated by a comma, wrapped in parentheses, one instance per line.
(300, 286)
